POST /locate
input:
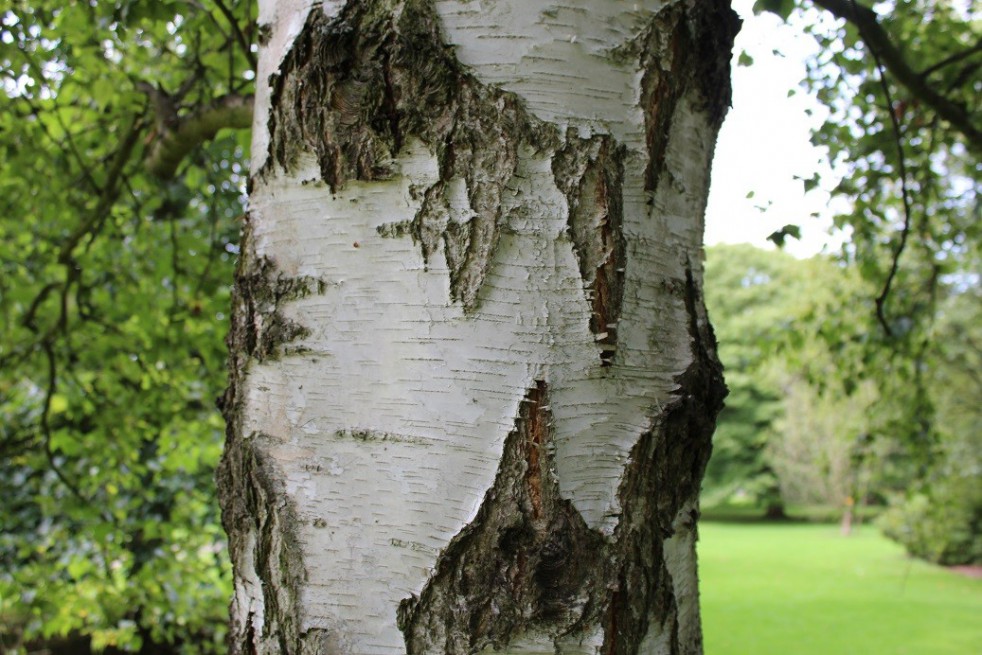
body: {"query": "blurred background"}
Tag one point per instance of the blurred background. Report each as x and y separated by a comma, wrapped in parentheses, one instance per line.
(842, 508)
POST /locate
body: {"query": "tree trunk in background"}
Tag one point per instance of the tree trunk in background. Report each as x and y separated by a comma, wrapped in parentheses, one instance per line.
(472, 380)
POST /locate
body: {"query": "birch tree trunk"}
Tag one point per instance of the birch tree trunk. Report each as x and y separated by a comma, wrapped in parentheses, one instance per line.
(472, 380)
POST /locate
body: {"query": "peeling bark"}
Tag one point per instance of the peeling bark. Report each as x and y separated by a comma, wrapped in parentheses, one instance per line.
(590, 172)
(527, 560)
(355, 87)
(488, 436)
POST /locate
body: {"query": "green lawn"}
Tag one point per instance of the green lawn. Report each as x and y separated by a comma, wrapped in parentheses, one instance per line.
(802, 589)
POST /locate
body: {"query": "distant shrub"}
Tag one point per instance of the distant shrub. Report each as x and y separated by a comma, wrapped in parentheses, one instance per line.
(942, 525)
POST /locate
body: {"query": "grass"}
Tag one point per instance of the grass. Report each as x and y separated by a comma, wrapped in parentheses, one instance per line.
(803, 589)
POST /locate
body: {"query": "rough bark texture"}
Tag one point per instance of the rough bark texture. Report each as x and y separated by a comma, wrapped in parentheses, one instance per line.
(526, 561)
(472, 383)
(353, 89)
(590, 172)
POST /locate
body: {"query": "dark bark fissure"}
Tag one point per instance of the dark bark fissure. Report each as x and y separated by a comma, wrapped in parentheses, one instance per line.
(527, 561)
(251, 492)
(590, 172)
(259, 329)
(354, 88)
(684, 53)
(254, 501)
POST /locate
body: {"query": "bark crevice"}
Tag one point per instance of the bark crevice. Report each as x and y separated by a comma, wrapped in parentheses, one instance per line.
(354, 88)
(528, 562)
(260, 330)
(685, 52)
(590, 173)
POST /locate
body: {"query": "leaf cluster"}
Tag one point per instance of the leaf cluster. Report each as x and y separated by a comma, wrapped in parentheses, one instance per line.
(114, 290)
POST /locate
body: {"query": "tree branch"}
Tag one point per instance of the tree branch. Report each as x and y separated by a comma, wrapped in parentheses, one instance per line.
(904, 193)
(173, 145)
(877, 39)
(953, 59)
(46, 432)
(108, 193)
(243, 42)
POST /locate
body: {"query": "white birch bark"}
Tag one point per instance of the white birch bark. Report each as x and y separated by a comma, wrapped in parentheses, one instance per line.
(472, 380)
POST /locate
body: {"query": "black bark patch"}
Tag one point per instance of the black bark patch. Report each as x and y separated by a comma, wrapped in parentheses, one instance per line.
(527, 560)
(590, 172)
(686, 51)
(665, 471)
(259, 329)
(355, 87)
(255, 502)
(714, 27)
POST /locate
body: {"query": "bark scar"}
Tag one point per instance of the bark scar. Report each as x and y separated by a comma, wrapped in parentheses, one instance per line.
(590, 173)
(356, 87)
(527, 561)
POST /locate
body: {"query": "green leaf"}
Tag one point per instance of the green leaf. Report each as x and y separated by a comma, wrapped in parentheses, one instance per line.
(78, 567)
(778, 237)
(781, 8)
(58, 404)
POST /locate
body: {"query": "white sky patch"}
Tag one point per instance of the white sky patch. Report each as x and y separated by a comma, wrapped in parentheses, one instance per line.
(764, 149)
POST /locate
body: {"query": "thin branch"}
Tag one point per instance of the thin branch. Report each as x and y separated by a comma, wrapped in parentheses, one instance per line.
(31, 313)
(175, 263)
(953, 59)
(46, 426)
(212, 248)
(243, 42)
(897, 132)
(890, 57)
(109, 192)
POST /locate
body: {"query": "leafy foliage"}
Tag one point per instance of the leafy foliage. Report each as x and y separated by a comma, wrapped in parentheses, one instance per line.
(901, 81)
(114, 286)
(765, 306)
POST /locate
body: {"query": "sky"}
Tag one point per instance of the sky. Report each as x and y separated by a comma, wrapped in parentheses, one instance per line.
(764, 149)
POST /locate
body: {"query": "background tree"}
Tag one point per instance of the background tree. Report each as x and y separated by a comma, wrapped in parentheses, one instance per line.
(796, 424)
(114, 287)
(752, 300)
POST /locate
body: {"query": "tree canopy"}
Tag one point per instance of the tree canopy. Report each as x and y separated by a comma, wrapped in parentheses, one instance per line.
(116, 254)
